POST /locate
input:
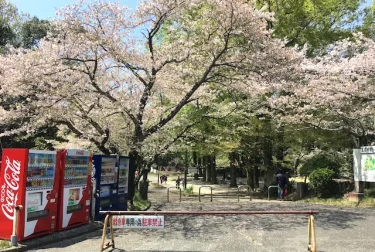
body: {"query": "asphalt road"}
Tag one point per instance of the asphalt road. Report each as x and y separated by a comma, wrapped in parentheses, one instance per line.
(338, 229)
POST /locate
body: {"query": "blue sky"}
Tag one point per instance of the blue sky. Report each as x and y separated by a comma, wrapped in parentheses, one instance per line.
(45, 9)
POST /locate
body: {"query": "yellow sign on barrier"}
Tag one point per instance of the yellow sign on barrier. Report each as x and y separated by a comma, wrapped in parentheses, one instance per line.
(138, 221)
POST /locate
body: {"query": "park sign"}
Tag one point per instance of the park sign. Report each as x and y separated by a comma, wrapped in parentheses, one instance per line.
(138, 221)
(364, 164)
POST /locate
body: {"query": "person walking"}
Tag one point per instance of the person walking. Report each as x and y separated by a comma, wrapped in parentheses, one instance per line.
(281, 182)
(178, 181)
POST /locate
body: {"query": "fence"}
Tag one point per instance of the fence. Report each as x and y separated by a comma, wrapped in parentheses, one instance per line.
(199, 192)
(272, 186)
(311, 244)
(174, 188)
(248, 188)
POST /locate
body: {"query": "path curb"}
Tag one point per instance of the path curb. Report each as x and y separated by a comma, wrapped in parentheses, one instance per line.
(55, 237)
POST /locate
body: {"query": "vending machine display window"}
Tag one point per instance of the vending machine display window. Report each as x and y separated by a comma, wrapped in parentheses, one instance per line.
(40, 171)
(76, 171)
(74, 196)
(108, 171)
(105, 191)
(34, 201)
(123, 175)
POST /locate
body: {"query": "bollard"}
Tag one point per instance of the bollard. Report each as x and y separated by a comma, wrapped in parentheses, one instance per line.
(199, 192)
(269, 191)
(238, 192)
(13, 237)
(168, 192)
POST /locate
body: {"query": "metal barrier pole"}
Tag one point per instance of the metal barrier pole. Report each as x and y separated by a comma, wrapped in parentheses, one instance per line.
(238, 193)
(309, 212)
(272, 186)
(13, 237)
(168, 192)
(108, 219)
(199, 192)
(311, 245)
(112, 234)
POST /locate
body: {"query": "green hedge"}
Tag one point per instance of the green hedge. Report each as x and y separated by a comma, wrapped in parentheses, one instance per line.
(322, 182)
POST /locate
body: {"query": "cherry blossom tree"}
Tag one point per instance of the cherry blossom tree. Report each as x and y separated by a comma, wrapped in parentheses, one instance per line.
(120, 79)
(336, 92)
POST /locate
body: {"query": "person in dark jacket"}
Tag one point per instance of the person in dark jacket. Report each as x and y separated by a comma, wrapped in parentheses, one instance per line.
(178, 181)
(281, 182)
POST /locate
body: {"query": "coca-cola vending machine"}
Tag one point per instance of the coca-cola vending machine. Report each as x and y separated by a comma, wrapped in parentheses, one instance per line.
(75, 167)
(28, 178)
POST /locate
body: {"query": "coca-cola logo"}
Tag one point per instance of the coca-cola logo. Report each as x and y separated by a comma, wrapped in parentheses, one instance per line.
(9, 189)
(34, 202)
(80, 152)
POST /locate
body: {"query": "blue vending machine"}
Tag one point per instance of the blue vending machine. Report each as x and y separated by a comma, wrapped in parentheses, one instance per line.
(105, 183)
(120, 202)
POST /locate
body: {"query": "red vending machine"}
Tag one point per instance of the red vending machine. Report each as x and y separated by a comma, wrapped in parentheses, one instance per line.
(28, 178)
(74, 203)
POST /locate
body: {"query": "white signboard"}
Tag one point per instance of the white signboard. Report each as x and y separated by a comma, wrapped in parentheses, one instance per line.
(138, 221)
(364, 164)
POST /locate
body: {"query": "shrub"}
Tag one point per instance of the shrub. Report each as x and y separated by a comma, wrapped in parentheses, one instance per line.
(188, 191)
(322, 182)
(139, 203)
(291, 186)
(370, 192)
(321, 160)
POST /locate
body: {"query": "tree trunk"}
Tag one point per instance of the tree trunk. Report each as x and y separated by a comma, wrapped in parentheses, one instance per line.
(186, 169)
(208, 168)
(143, 187)
(213, 170)
(256, 176)
(203, 171)
(195, 161)
(233, 168)
(200, 172)
(250, 177)
(133, 155)
(157, 167)
(280, 147)
(267, 155)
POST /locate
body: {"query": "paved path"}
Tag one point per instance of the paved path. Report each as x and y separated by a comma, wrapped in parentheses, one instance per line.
(338, 228)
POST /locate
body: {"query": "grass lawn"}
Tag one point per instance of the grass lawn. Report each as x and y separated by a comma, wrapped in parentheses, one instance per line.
(365, 202)
(140, 204)
(4, 244)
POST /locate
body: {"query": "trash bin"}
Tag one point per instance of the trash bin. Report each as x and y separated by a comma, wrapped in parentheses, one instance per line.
(196, 176)
(301, 190)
